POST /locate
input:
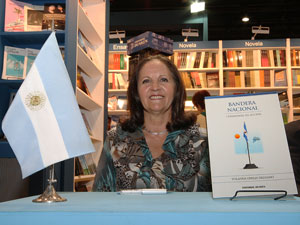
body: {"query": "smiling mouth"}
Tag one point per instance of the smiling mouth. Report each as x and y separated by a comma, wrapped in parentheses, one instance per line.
(154, 97)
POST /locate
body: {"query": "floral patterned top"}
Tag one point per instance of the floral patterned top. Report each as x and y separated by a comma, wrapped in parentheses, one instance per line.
(126, 162)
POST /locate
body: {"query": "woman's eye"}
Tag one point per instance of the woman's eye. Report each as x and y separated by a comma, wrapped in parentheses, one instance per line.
(145, 81)
(164, 79)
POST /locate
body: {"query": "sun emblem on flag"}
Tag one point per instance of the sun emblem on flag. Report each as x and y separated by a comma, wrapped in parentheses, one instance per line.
(35, 100)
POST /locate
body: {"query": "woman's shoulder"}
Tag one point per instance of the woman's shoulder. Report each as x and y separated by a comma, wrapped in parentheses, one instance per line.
(118, 133)
(193, 130)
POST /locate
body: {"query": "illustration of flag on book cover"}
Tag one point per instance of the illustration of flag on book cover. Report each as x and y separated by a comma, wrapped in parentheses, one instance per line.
(43, 124)
(247, 145)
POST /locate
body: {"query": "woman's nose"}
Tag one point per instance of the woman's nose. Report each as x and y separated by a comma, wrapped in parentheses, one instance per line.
(155, 85)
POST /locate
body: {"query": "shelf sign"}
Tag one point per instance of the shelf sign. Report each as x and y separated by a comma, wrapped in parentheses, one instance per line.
(118, 47)
(260, 30)
(254, 43)
(195, 45)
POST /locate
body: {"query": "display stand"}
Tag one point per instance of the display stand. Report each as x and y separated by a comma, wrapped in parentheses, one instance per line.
(261, 191)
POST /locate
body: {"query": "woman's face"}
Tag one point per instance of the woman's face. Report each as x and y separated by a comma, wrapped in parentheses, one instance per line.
(156, 87)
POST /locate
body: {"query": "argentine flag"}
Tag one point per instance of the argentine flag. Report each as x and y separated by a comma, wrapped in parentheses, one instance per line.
(43, 124)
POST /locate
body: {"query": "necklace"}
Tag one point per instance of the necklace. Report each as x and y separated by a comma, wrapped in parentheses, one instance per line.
(155, 133)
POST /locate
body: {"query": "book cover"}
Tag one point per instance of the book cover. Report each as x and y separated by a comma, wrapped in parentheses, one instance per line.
(212, 80)
(280, 78)
(54, 16)
(197, 60)
(13, 63)
(81, 83)
(84, 165)
(81, 41)
(30, 55)
(14, 16)
(33, 17)
(247, 145)
(90, 163)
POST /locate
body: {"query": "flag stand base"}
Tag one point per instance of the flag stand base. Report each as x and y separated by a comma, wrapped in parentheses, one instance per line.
(50, 194)
(250, 166)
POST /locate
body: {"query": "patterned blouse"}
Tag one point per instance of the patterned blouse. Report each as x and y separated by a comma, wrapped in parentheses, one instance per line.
(126, 162)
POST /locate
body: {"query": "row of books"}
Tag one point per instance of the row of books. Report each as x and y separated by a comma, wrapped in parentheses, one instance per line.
(117, 80)
(186, 60)
(117, 61)
(17, 62)
(295, 57)
(254, 58)
(23, 16)
(200, 79)
(256, 78)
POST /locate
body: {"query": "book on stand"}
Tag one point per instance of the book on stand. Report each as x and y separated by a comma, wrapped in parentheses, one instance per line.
(14, 16)
(30, 55)
(13, 63)
(33, 17)
(248, 146)
(54, 13)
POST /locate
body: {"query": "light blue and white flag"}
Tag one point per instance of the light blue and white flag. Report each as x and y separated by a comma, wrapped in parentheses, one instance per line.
(43, 124)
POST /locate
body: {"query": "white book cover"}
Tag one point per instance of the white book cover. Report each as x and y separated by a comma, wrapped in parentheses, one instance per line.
(248, 146)
(33, 17)
(30, 55)
(13, 63)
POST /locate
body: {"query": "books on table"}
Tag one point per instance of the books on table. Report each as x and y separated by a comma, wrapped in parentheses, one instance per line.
(247, 145)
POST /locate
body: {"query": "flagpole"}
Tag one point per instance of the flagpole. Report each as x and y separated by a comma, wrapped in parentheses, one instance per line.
(249, 165)
(50, 194)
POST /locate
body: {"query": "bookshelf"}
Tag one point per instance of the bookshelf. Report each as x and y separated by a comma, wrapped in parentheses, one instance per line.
(90, 17)
(239, 67)
(91, 66)
(117, 79)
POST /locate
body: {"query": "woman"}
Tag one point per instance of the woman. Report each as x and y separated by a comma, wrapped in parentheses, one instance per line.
(199, 103)
(158, 146)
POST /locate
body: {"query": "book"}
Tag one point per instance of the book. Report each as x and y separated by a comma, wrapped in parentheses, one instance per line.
(13, 63)
(33, 17)
(247, 145)
(78, 167)
(280, 78)
(14, 16)
(81, 83)
(30, 55)
(212, 79)
(54, 16)
(90, 163)
(112, 103)
(122, 103)
(82, 42)
(84, 165)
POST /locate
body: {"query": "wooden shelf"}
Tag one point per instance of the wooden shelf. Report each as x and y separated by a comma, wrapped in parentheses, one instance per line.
(84, 178)
(86, 101)
(86, 64)
(87, 27)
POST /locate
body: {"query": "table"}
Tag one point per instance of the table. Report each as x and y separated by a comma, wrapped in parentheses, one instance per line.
(171, 208)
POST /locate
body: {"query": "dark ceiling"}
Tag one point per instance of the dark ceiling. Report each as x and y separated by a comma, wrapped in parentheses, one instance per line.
(224, 17)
